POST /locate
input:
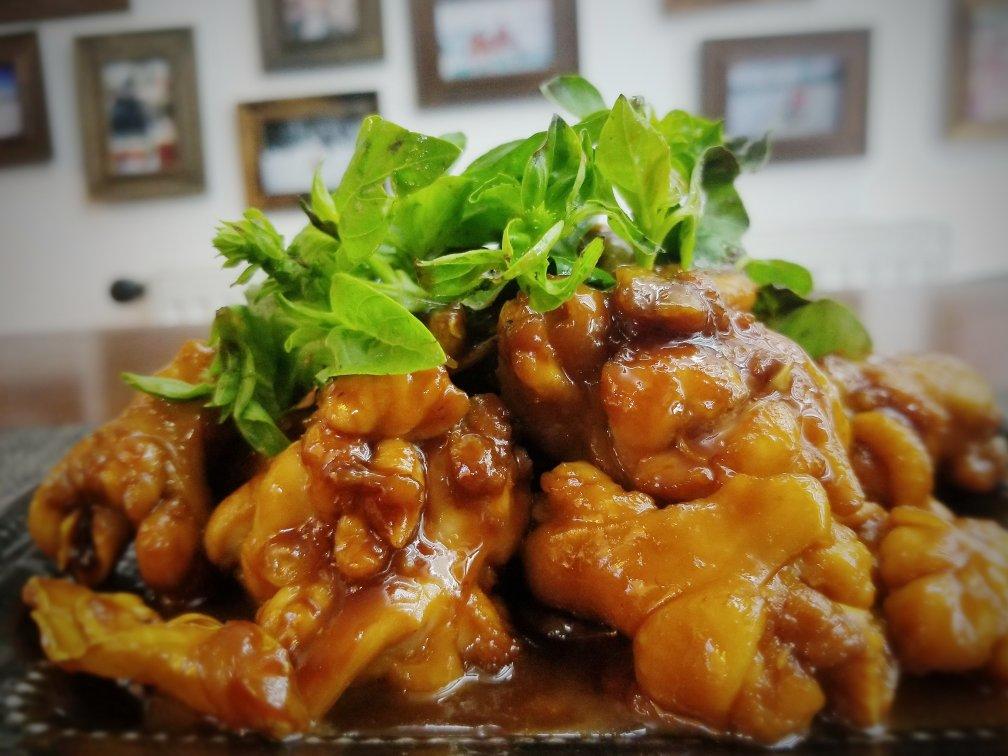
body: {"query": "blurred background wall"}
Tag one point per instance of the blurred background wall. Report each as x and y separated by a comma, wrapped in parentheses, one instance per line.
(916, 204)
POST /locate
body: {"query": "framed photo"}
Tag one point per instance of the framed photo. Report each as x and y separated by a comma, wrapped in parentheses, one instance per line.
(809, 90)
(978, 96)
(480, 49)
(301, 33)
(283, 142)
(140, 114)
(24, 125)
(33, 10)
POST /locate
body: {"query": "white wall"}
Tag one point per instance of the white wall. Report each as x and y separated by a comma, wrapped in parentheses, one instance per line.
(58, 250)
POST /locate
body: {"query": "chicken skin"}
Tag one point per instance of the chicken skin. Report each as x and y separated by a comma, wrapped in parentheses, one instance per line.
(371, 543)
(142, 476)
(675, 393)
(370, 546)
(946, 580)
(950, 408)
(234, 672)
(749, 610)
(671, 391)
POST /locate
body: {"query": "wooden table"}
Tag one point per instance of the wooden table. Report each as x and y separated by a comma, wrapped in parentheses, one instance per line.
(73, 378)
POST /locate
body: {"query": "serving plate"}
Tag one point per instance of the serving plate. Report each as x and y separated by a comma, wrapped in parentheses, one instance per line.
(46, 710)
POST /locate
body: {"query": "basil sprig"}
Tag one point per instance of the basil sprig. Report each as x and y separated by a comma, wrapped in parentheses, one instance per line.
(401, 236)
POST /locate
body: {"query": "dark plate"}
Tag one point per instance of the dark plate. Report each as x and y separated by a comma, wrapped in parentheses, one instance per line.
(49, 711)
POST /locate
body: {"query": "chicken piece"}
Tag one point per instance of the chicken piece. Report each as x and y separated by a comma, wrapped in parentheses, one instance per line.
(944, 579)
(749, 610)
(234, 672)
(371, 543)
(947, 590)
(737, 290)
(141, 474)
(670, 390)
(950, 408)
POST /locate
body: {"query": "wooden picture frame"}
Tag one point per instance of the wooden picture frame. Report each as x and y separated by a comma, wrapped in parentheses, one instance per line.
(963, 122)
(435, 89)
(25, 136)
(173, 167)
(256, 122)
(846, 53)
(35, 10)
(280, 51)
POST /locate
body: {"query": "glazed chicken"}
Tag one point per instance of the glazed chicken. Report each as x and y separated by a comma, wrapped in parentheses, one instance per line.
(949, 407)
(944, 578)
(370, 546)
(749, 610)
(675, 394)
(234, 672)
(141, 476)
(762, 528)
(671, 391)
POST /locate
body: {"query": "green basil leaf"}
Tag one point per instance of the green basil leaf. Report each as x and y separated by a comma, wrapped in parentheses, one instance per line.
(384, 154)
(825, 327)
(566, 167)
(533, 185)
(422, 224)
(546, 293)
(574, 94)
(781, 273)
(255, 243)
(168, 388)
(375, 335)
(525, 262)
(508, 159)
(321, 201)
(591, 127)
(822, 327)
(455, 137)
(260, 430)
(645, 251)
(256, 380)
(722, 219)
(635, 158)
(597, 277)
(752, 154)
(459, 274)
(688, 137)
(487, 211)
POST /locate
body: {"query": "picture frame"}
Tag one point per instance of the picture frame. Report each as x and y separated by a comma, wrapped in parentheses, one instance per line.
(24, 120)
(283, 142)
(809, 90)
(295, 34)
(139, 112)
(978, 70)
(465, 50)
(36, 10)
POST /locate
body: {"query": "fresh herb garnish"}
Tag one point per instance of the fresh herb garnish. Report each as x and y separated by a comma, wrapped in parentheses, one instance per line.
(401, 236)
(821, 327)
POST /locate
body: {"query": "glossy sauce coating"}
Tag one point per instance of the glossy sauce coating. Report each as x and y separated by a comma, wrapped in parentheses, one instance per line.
(142, 475)
(679, 395)
(671, 391)
(949, 406)
(749, 610)
(712, 510)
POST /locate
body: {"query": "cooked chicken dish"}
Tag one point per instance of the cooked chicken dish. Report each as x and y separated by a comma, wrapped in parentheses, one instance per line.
(520, 393)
